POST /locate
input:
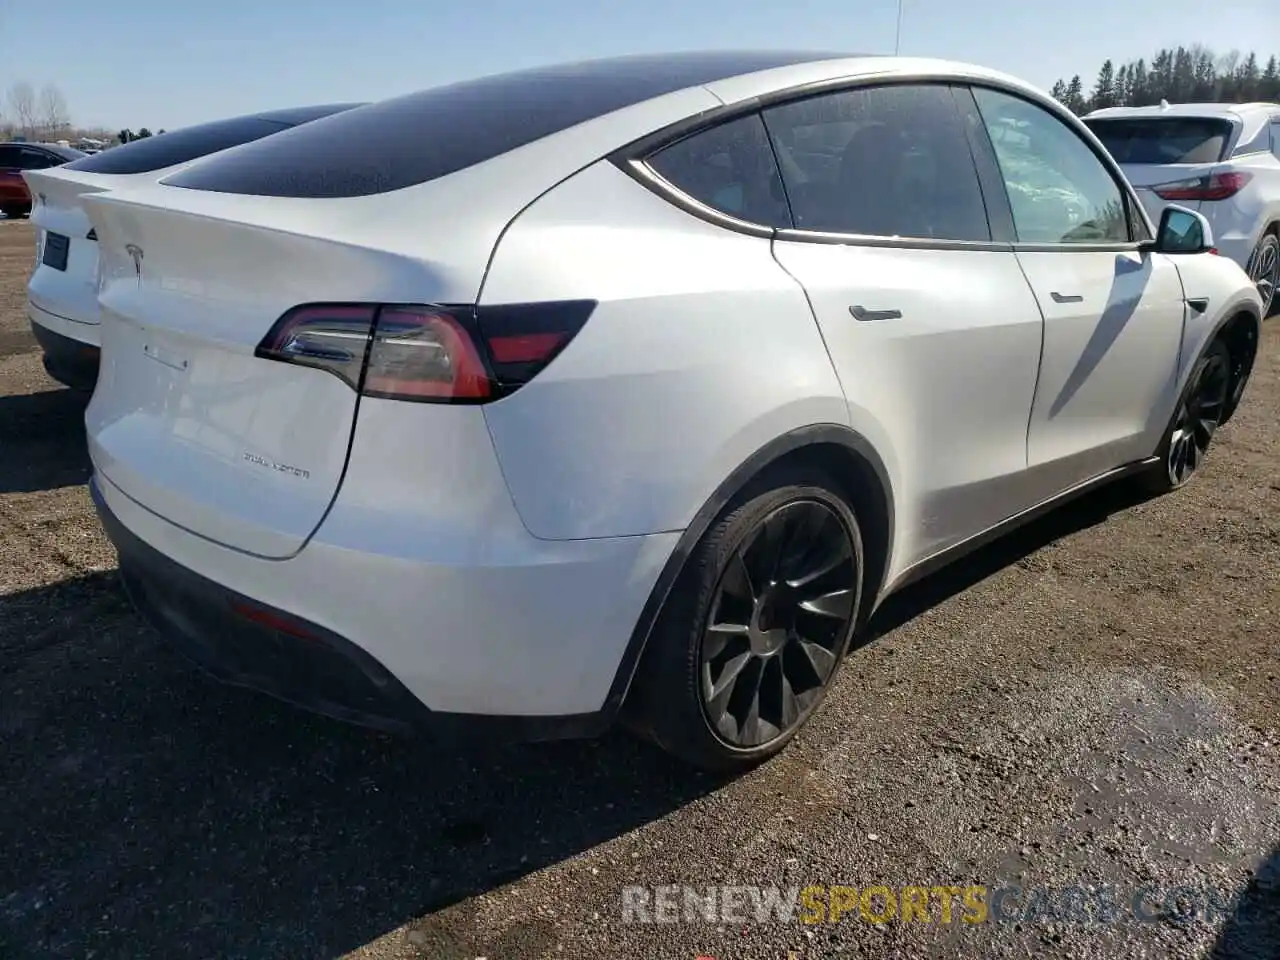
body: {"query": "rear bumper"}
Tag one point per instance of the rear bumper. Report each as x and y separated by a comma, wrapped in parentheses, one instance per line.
(242, 642)
(496, 661)
(70, 354)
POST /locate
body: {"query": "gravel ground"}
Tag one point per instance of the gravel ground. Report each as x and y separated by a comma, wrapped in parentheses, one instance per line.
(1089, 704)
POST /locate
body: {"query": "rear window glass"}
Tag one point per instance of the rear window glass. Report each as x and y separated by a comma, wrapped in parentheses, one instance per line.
(412, 139)
(22, 157)
(66, 153)
(190, 143)
(1171, 140)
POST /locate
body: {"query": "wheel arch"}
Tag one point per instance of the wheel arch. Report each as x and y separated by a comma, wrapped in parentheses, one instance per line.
(853, 462)
(1240, 329)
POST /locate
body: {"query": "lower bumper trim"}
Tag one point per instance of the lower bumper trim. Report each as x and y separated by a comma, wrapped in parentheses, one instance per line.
(68, 361)
(243, 642)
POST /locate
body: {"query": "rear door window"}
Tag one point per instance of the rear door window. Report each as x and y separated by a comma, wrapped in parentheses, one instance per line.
(728, 168)
(889, 161)
(1163, 139)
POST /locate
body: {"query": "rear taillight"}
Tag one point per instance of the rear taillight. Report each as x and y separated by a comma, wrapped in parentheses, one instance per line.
(427, 353)
(1219, 186)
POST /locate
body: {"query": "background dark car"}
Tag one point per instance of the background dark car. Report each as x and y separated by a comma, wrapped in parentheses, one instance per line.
(15, 198)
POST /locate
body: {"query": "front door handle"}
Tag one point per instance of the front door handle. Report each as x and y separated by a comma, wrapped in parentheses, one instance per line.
(1066, 297)
(862, 313)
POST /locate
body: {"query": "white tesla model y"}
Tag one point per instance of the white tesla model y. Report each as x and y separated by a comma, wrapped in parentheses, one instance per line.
(629, 387)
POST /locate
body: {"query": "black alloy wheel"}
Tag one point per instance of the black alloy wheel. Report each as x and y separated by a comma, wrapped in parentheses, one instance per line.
(752, 634)
(1199, 415)
(778, 623)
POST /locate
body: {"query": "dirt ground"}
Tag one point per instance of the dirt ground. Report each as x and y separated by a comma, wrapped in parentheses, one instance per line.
(1090, 705)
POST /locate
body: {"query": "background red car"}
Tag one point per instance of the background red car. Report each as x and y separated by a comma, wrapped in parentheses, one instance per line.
(15, 198)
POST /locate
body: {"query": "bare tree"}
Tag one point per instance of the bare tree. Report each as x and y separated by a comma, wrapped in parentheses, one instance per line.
(22, 100)
(53, 114)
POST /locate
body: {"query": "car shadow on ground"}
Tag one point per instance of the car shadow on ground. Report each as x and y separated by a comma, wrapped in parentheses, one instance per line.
(1252, 932)
(1080, 514)
(42, 441)
(149, 812)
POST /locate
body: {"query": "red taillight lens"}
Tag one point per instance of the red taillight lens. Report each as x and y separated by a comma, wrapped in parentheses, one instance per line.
(424, 353)
(427, 353)
(1219, 186)
(522, 338)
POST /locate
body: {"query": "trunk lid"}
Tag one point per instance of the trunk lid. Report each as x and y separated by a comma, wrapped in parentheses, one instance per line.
(67, 284)
(185, 420)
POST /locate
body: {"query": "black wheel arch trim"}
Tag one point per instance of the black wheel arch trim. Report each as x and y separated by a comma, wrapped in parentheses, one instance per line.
(772, 452)
(1236, 308)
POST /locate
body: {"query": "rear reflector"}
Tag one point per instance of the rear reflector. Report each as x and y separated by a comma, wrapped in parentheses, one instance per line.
(1220, 186)
(425, 352)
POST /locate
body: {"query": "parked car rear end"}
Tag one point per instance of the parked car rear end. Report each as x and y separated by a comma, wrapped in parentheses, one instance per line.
(15, 159)
(62, 293)
(1220, 159)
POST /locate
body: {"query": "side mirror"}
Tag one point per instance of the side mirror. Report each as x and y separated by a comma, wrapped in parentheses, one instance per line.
(1183, 231)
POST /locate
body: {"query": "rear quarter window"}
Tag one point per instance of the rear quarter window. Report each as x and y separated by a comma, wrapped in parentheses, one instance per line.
(1171, 140)
(729, 168)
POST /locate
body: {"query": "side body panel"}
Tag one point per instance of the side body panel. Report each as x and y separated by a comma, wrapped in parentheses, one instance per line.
(1113, 327)
(701, 351)
(1224, 290)
(950, 380)
(1239, 221)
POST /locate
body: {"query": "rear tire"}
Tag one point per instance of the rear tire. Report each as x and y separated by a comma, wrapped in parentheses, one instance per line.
(754, 630)
(1264, 270)
(1195, 421)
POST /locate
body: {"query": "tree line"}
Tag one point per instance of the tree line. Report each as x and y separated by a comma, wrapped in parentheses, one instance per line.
(126, 135)
(35, 115)
(1186, 75)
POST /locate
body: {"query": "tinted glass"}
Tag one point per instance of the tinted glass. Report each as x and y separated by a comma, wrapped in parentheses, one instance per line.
(1275, 138)
(1170, 140)
(39, 160)
(64, 154)
(9, 156)
(190, 143)
(1059, 189)
(880, 161)
(416, 138)
(729, 168)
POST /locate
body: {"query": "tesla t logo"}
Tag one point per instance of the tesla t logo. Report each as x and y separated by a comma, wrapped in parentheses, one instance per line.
(135, 252)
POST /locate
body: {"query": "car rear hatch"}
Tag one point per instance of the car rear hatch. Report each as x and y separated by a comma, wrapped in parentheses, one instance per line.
(186, 420)
(65, 279)
(1167, 159)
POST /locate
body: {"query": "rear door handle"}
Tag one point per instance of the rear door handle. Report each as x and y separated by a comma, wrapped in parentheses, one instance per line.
(1066, 297)
(862, 313)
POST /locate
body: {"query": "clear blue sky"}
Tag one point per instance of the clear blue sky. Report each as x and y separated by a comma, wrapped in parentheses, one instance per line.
(166, 63)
